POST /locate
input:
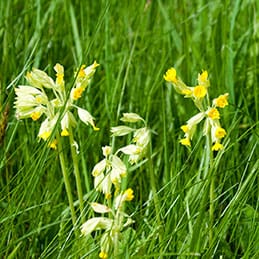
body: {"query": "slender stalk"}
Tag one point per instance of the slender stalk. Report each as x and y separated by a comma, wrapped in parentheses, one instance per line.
(212, 197)
(66, 180)
(77, 174)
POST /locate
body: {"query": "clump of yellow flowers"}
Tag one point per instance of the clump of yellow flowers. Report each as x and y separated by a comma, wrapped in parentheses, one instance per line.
(108, 179)
(210, 112)
(54, 100)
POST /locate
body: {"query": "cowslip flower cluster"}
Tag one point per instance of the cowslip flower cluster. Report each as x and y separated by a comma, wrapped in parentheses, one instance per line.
(199, 95)
(44, 96)
(141, 137)
(113, 225)
(108, 179)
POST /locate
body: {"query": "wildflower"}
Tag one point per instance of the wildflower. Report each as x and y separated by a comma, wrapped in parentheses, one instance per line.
(217, 146)
(170, 75)
(212, 125)
(220, 133)
(103, 255)
(53, 144)
(221, 101)
(213, 113)
(131, 117)
(199, 91)
(129, 194)
(94, 224)
(203, 79)
(185, 142)
(33, 102)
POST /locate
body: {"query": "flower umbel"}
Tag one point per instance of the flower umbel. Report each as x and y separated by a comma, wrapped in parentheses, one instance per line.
(210, 113)
(33, 102)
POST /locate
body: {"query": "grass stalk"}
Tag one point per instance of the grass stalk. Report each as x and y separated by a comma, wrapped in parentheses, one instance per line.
(154, 191)
(77, 174)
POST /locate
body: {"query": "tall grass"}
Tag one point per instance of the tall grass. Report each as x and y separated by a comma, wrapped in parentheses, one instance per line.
(134, 42)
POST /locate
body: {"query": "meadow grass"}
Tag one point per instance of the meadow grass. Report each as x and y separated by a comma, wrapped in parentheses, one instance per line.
(134, 42)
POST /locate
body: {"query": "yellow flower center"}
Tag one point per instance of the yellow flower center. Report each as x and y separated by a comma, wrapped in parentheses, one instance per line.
(185, 142)
(213, 113)
(170, 75)
(35, 115)
(220, 133)
(199, 91)
(217, 146)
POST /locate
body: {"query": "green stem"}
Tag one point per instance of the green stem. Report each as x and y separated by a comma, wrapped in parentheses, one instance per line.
(77, 174)
(66, 180)
(212, 197)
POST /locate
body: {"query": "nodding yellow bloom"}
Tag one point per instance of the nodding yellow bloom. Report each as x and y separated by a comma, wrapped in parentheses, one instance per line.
(129, 194)
(53, 144)
(77, 93)
(170, 75)
(221, 101)
(203, 79)
(64, 133)
(60, 74)
(199, 91)
(45, 135)
(35, 115)
(220, 133)
(217, 146)
(213, 113)
(103, 255)
(81, 72)
(184, 128)
(185, 142)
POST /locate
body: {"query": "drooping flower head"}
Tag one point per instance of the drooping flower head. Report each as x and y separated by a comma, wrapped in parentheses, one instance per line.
(36, 100)
(210, 113)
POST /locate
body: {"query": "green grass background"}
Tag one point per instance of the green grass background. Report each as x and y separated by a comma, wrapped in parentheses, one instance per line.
(134, 42)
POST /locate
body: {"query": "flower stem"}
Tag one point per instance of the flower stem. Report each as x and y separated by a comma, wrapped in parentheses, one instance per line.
(66, 180)
(211, 178)
(77, 174)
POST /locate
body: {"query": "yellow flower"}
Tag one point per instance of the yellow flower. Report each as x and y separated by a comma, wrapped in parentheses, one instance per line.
(170, 75)
(45, 135)
(77, 93)
(203, 79)
(60, 74)
(220, 133)
(199, 91)
(35, 115)
(184, 128)
(129, 194)
(221, 101)
(213, 113)
(103, 255)
(185, 142)
(64, 133)
(53, 144)
(217, 146)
